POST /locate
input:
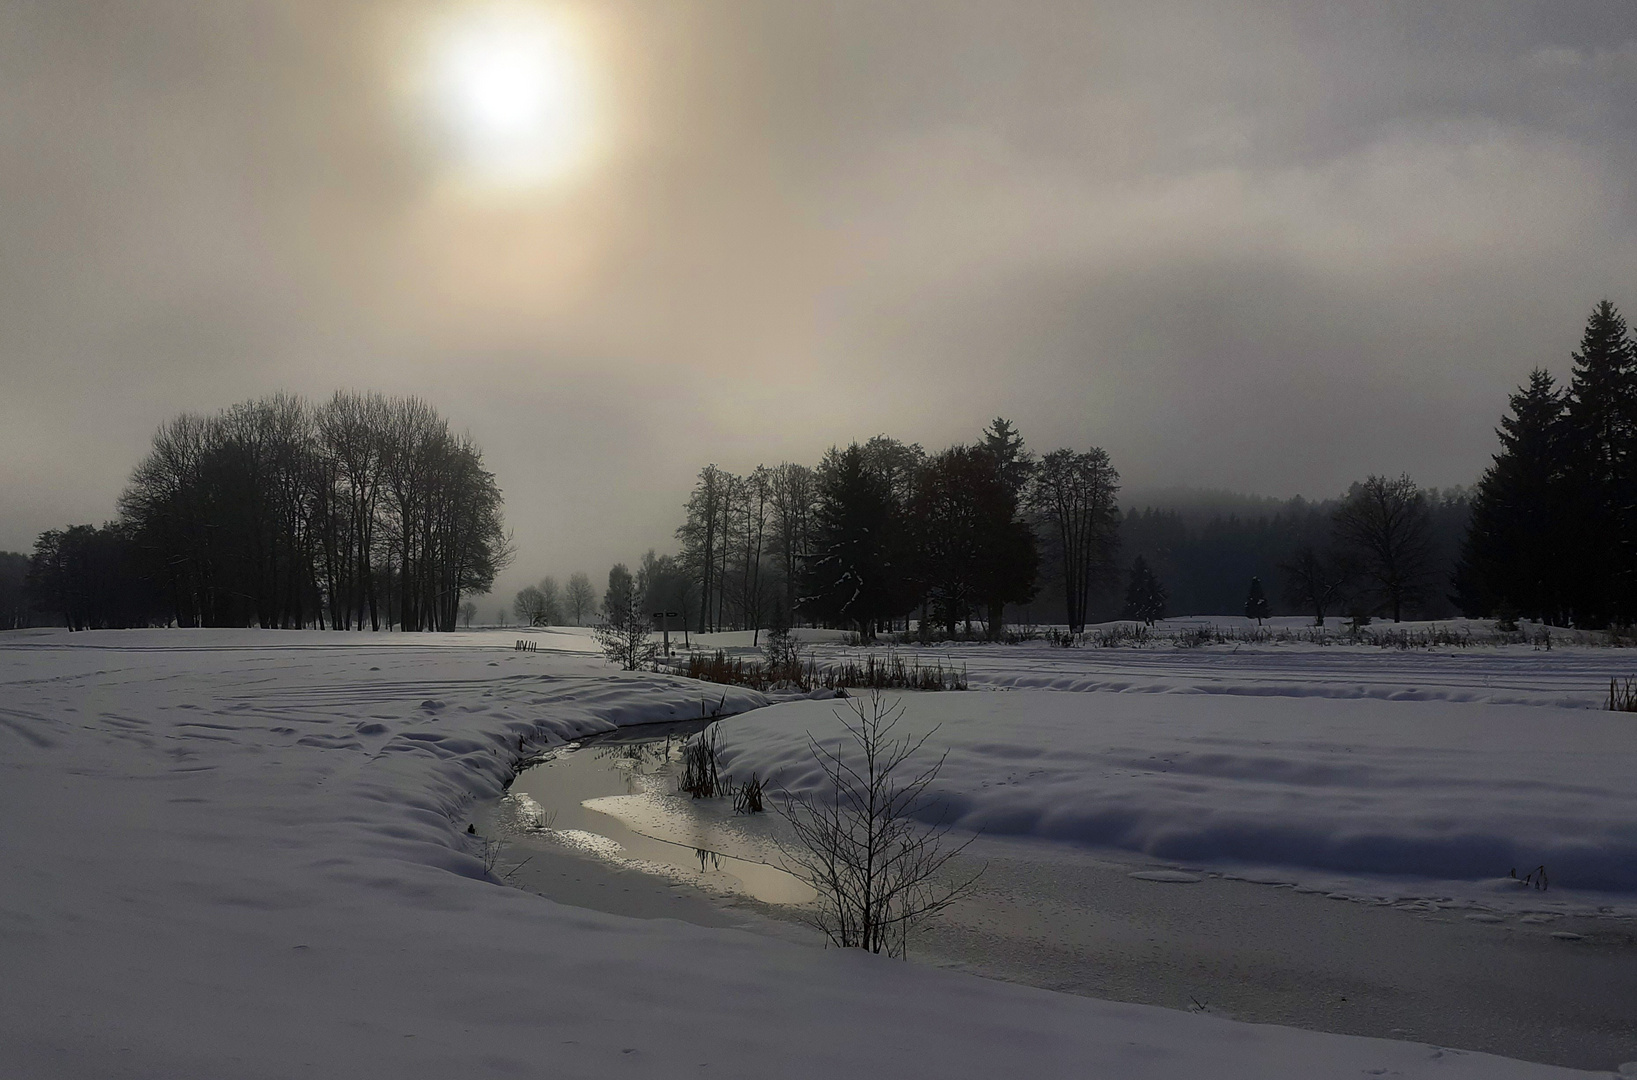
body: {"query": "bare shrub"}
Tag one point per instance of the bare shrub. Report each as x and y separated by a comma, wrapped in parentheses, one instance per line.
(1623, 695)
(1113, 637)
(861, 846)
(737, 671)
(1193, 637)
(627, 638)
(891, 672)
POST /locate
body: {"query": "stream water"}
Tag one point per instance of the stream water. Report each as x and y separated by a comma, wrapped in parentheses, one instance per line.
(615, 797)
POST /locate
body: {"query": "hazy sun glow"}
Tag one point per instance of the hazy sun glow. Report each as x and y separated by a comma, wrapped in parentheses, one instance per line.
(508, 83)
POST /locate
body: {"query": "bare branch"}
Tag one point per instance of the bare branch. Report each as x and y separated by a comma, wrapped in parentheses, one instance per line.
(877, 868)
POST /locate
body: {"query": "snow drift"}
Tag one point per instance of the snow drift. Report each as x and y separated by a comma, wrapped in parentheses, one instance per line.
(1427, 788)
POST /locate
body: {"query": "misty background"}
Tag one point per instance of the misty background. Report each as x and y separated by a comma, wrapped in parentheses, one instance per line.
(1266, 250)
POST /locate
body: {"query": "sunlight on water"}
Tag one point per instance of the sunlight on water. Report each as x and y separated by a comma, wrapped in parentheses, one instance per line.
(616, 800)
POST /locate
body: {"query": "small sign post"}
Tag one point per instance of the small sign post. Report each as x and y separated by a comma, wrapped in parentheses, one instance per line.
(663, 618)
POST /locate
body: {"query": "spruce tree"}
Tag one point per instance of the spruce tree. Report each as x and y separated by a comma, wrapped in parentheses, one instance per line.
(1005, 445)
(1513, 557)
(1603, 393)
(1601, 441)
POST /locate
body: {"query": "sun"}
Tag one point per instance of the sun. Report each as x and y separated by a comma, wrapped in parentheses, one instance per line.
(508, 86)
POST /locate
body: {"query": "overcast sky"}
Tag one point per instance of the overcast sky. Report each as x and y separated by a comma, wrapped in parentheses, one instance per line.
(1265, 246)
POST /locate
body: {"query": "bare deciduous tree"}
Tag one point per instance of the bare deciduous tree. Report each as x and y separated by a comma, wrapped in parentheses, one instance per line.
(793, 498)
(702, 537)
(861, 844)
(552, 598)
(1074, 497)
(539, 605)
(274, 513)
(754, 515)
(579, 599)
(529, 606)
(1316, 581)
(1385, 522)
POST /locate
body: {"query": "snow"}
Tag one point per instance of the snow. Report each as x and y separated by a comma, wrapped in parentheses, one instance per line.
(1575, 677)
(1432, 789)
(244, 854)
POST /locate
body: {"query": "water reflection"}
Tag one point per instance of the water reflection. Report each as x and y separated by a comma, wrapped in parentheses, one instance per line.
(615, 797)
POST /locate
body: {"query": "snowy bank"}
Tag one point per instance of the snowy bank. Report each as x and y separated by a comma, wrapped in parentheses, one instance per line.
(1431, 789)
(244, 855)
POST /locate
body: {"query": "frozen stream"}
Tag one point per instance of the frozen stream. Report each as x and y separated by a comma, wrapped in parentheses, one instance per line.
(1558, 989)
(613, 798)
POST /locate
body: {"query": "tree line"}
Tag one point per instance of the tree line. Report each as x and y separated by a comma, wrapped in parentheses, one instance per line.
(363, 510)
(367, 510)
(1554, 518)
(1549, 532)
(548, 604)
(880, 532)
(1203, 557)
(14, 599)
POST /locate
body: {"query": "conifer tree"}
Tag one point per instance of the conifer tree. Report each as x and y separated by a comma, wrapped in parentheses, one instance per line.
(1601, 489)
(1005, 445)
(1513, 554)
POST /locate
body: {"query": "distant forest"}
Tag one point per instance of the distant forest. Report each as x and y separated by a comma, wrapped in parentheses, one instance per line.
(362, 511)
(1206, 554)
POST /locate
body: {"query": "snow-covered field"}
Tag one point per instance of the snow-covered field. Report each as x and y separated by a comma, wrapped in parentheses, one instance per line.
(245, 854)
(1310, 787)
